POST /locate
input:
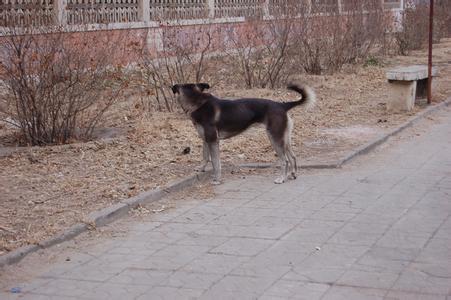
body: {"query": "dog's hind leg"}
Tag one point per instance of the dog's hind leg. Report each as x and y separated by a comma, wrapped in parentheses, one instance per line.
(293, 162)
(214, 153)
(278, 146)
(205, 158)
(284, 163)
(293, 167)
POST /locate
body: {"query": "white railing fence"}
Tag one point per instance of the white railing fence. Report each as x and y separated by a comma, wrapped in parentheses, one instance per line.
(148, 13)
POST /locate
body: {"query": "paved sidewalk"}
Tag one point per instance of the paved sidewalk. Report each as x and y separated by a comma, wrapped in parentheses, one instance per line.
(379, 228)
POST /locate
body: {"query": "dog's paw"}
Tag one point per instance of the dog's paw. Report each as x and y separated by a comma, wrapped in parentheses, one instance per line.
(279, 180)
(292, 176)
(216, 182)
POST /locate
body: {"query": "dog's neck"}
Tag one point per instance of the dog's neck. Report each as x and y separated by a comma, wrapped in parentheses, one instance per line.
(191, 101)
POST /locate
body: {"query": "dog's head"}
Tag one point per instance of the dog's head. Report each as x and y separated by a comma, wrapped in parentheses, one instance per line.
(189, 87)
(190, 95)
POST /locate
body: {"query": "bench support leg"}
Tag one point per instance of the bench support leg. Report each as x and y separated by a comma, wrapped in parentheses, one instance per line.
(401, 95)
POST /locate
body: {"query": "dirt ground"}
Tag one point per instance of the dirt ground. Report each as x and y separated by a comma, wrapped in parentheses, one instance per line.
(44, 190)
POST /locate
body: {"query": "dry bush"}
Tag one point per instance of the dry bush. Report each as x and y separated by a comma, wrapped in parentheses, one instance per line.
(182, 60)
(245, 55)
(443, 19)
(414, 28)
(55, 86)
(324, 43)
(259, 50)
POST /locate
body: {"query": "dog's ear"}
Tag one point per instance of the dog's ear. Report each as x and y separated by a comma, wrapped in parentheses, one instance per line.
(175, 88)
(203, 86)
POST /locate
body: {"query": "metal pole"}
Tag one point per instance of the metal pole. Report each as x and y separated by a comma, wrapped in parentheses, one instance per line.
(431, 24)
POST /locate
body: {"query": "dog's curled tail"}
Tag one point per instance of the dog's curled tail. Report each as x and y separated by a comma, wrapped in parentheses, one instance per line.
(308, 97)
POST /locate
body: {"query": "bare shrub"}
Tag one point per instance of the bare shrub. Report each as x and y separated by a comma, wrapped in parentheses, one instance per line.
(414, 28)
(182, 60)
(56, 86)
(324, 43)
(245, 54)
(260, 53)
(260, 48)
(443, 19)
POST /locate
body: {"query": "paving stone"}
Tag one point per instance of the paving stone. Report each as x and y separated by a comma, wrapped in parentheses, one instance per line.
(195, 239)
(10, 296)
(413, 279)
(437, 251)
(353, 293)
(95, 272)
(227, 203)
(314, 231)
(215, 263)
(145, 226)
(385, 260)
(242, 247)
(241, 216)
(288, 289)
(258, 269)
(285, 253)
(328, 214)
(271, 221)
(360, 202)
(135, 276)
(420, 221)
(67, 287)
(377, 280)
(378, 217)
(357, 238)
(116, 291)
(191, 280)
(32, 296)
(268, 297)
(172, 257)
(272, 204)
(170, 293)
(402, 239)
(200, 215)
(317, 274)
(291, 211)
(334, 256)
(161, 237)
(259, 232)
(444, 231)
(219, 294)
(240, 284)
(397, 295)
(178, 227)
(143, 248)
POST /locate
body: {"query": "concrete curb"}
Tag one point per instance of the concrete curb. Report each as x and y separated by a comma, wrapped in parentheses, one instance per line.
(109, 214)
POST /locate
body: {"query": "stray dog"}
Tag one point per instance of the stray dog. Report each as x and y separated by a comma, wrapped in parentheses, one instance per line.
(217, 119)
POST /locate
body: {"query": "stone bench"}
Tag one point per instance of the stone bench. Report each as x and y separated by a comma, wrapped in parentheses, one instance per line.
(405, 85)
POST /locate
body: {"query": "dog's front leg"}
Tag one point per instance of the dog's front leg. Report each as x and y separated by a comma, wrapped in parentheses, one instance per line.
(214, 154)
(205, 158)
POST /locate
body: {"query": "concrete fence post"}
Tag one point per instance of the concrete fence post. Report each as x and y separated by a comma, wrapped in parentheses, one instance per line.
(59, 8)
(309, 7)
(266, 9)
(211, 8)
(144, 11)
(340, 6)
